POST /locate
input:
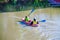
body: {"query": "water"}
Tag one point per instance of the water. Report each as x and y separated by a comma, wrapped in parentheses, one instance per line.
(49, 29)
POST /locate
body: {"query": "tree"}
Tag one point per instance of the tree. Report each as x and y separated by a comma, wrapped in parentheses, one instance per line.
(36, 2)
(14, 1)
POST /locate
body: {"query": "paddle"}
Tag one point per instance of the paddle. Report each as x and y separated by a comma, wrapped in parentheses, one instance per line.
(32, 12)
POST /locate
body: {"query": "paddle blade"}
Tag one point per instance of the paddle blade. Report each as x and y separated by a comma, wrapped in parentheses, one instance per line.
(31, 11)
(42, 21)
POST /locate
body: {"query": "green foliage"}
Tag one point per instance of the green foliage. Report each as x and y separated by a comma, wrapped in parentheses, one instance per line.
(27, 6)
(14, 1)
(1, 0)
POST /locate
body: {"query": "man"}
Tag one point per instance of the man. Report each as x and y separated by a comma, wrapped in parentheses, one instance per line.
(34, 22)
(26, 19)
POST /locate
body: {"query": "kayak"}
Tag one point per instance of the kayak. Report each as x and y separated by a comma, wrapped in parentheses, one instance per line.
(29, 22)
